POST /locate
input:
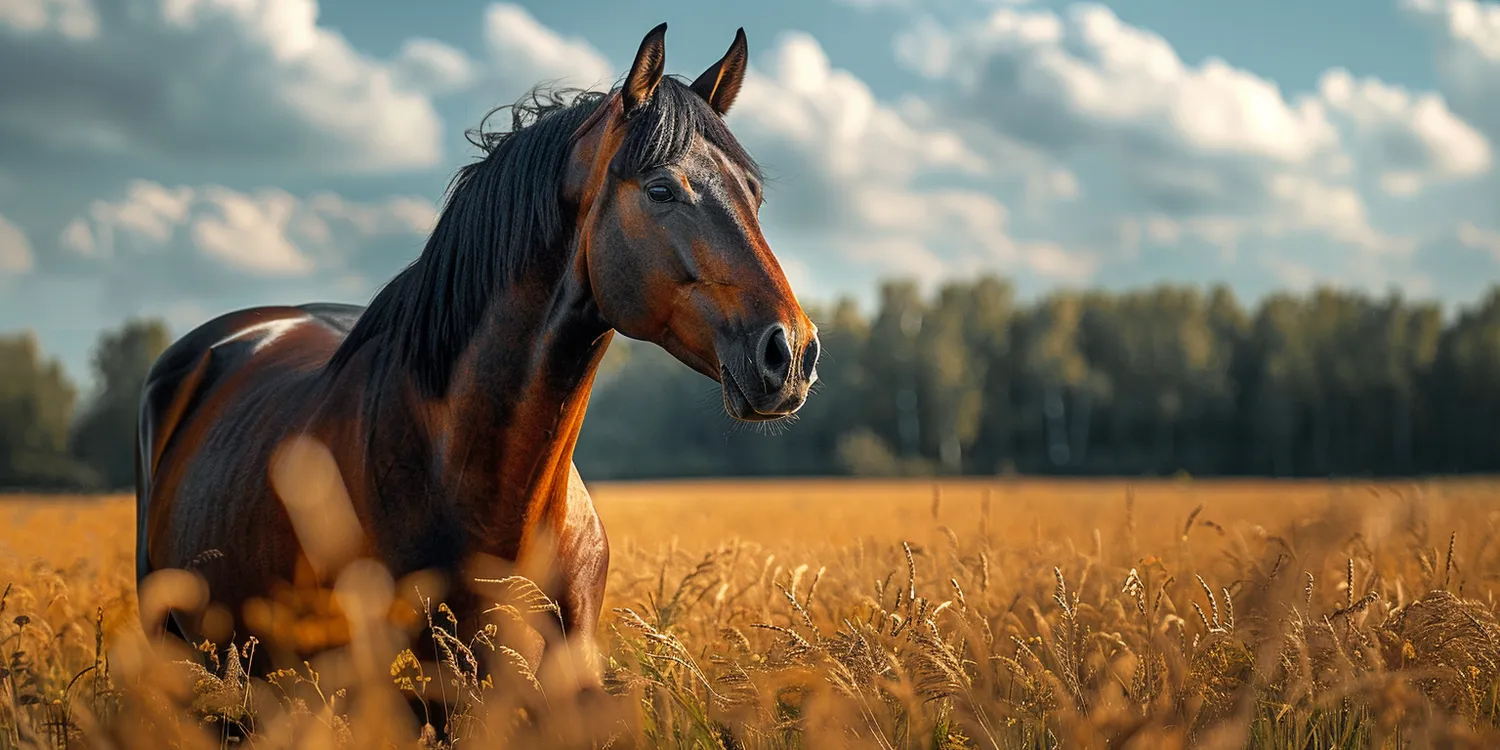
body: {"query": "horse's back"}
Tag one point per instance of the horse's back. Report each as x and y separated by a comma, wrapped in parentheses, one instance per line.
(193, 366)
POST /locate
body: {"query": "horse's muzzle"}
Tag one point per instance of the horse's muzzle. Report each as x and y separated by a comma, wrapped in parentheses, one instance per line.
(773, 380)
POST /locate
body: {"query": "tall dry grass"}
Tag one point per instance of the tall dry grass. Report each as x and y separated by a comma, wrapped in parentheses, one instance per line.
(845, 615)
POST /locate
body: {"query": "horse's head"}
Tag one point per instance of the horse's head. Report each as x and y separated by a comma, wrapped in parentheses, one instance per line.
(672, 240)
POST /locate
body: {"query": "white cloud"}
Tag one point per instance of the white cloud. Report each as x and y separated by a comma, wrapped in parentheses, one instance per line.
(149, 214)
(15, 250)
(200, 237)
(1467, 35)
(1139, 131)
(845, 165)
(1412, 138)
(800, 98)
(1157, 152)
(1089, 83)
(188, 253)
(192, 82)
(249, 233)
(1337, 211)
(1056, 147)
(519, 52)
(433, 67)
(73, 19)
(838, 156)
(260, 82)
(1479, 239)
(856, 175)
(926, 48)
(869, 5)
(522, 51)
(1092, 79)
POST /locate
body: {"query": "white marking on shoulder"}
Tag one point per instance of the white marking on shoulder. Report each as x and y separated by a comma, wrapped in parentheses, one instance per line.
(267, 332)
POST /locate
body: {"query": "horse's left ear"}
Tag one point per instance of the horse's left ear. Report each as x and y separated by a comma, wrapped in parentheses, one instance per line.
(646, 71)
(720, 84)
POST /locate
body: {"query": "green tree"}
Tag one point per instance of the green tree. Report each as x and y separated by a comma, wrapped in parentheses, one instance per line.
(991, 316)
(969, 380)
(105, 436)
(1055, 387)
(838, 402)
(36, 404)
(951, 378)
(1093, 382)
(1463, 390)
(894, 408)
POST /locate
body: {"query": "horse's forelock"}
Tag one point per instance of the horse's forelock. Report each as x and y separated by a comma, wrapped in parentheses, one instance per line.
(662, 131)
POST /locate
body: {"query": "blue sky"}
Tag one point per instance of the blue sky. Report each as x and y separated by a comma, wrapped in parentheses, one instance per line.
(189, 157)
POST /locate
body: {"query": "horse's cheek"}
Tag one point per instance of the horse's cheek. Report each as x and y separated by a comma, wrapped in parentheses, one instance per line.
(633, 291)
(622, 296)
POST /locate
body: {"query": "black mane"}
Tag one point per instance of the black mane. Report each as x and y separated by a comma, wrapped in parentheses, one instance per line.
(506, 208)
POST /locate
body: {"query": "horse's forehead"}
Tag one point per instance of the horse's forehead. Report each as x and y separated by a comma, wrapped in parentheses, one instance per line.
(707, 162)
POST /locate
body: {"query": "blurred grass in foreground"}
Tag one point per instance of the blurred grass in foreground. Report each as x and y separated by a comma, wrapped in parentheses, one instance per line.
(849, 614)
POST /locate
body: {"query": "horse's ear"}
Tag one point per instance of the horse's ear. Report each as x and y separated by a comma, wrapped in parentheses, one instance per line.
(720, 84)
(646, 71)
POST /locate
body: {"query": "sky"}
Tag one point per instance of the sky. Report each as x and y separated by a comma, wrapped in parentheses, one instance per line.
(183, 158)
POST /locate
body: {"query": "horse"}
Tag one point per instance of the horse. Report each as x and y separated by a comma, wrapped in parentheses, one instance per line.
(450, 405)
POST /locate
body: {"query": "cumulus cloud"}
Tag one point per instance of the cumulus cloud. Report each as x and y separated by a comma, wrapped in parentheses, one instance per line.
(1479, 239)
(198, 83)
(73, 19)
(522, 50)
(863, 177)
(869, 5)
(1049, 146)
(1141, 131)
(433, 67)
(519, 52)
(1410, 138)
(847, 168)
(15, 249)
(1336, 211)
(1467, 38)
(1088, 78)
(1147, 151)
(196, 241)
(201, 82)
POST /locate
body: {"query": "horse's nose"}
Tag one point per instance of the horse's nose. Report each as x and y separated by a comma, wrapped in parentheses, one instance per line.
(773, 357)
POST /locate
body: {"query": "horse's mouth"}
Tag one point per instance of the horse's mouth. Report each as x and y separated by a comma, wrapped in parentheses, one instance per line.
(737, 404)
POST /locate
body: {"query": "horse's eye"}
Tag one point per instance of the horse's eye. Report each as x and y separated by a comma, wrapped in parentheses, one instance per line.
(660, 193)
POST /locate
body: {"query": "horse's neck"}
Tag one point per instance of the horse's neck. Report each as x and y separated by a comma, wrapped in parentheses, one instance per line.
(514, 409)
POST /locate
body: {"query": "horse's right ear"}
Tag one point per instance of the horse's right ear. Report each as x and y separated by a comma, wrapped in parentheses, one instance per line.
(646, 71)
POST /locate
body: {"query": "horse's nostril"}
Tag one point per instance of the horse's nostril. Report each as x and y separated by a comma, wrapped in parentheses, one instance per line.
(810, 358)
(778, 353)
(775, 356)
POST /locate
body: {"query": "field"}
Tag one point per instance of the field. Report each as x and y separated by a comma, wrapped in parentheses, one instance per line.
(854, 614)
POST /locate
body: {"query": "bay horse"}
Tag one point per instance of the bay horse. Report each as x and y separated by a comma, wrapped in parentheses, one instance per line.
(451, 404)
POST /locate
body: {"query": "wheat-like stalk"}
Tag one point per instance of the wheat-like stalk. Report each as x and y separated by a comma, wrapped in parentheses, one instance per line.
(931, 636)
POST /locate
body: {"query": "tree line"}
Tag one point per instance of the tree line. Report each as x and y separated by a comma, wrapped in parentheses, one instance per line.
(966, 380)
(48, 440)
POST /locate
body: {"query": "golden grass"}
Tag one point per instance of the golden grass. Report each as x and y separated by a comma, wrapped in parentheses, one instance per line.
(852, 614)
